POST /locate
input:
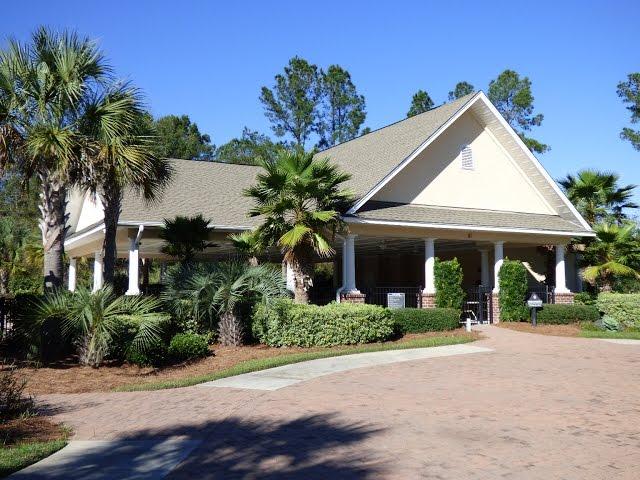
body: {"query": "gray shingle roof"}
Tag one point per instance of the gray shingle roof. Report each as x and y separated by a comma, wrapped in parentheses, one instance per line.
(371, 157)
(213, 189)
(374, 210)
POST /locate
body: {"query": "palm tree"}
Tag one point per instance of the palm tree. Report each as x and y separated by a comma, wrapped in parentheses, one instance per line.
(597, 195)
(118, 158)
(91, 319)
(247, 243)
(615, 253)
(301, 200)
(44, 87)
(217, 290)
(185, 237)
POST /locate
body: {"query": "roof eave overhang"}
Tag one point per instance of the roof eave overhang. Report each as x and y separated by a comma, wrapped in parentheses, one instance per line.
(477, 228)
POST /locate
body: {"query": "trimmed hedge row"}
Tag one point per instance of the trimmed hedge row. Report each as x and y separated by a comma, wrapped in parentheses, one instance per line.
(283, 323)
(559, 314)
(448, 282)
(624, 307)
(513, 291)
(418, 320)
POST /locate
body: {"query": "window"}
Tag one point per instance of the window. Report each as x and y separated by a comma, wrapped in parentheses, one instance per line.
(466, 156)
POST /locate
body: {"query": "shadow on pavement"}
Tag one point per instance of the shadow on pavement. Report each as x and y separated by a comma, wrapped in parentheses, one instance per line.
(309, 447)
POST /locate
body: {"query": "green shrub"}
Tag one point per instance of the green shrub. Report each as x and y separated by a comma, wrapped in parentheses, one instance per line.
(155, 354)
(448, 282)
(417, 320)
(560, 314)
(610, 324)
(513, 291)
(584, 298)
(187, 346)
(624, 307)
(283, 323)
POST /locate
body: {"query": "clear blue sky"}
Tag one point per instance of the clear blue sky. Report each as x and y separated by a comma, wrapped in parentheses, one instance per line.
(209, 59)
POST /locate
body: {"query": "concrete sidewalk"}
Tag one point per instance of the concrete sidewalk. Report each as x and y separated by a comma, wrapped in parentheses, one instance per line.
(287, 375)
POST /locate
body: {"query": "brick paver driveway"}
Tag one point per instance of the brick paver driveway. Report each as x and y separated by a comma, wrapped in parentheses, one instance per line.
(537, 407)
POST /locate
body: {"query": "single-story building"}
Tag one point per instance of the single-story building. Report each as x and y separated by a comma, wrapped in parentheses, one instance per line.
(456, 181)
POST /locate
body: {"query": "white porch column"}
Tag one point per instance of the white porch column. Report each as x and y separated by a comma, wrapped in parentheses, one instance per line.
(97, 271)
(72, 274)
(349, 254)
(561, 282)
(498, 256)
(429, 262)
(484, 268)
(134, 256)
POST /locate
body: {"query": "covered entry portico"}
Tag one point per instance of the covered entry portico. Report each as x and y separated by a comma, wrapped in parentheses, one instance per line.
(382, 259)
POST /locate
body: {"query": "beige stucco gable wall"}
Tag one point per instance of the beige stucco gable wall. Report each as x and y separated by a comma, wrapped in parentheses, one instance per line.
(436, 177)
(91, 213)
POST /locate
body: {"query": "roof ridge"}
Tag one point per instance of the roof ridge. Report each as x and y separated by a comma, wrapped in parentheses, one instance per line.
(214, 162)
(431, 110)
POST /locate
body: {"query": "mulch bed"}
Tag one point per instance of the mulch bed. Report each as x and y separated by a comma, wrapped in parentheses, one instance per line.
(28, 430)
(571, 330)
(69, 377)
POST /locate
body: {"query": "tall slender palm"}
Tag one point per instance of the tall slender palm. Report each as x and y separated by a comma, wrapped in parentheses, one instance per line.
(44, 87)
(598, 196)
(301, 200)
(615, 253)
(118, 158)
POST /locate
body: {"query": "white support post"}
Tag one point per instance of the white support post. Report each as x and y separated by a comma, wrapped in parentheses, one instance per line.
(134, 257)
(97, 271)
(498, 256)
(72, 274)
(561, 282)
(485, 280)
(429, 262)
(349, 253)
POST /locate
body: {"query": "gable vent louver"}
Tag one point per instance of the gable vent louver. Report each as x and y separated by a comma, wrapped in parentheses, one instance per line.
(467, 157)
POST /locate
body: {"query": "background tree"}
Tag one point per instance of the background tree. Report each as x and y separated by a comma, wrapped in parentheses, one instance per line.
(461, 89)
(513, 98)
(250, 149)
(301, 201)
(185, 237)
(179, 137)
(44, 87)
(614, 254)
(343, 109)
(420, 103)
(117, 158)
(598, 196)
(292, 104)
(629, 92)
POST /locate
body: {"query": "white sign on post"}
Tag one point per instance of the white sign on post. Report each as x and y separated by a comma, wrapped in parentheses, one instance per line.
(395, 300)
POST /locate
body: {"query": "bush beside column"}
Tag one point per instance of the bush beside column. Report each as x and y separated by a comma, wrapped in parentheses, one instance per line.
(513, 291)
(448, 281)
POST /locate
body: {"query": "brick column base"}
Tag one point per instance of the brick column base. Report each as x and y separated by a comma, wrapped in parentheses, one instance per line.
(495, 308)
(564, 298)
(353, 297)
(427, 300)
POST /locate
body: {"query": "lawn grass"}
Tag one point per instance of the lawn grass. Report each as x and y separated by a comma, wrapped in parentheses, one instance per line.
(632, 335)
(17, 457)
(271, 362)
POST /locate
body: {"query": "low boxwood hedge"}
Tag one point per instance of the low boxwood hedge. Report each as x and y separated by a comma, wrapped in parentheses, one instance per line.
(188, 346)
(624, 307)
(560, 314)
(283, 323)
(417, 320)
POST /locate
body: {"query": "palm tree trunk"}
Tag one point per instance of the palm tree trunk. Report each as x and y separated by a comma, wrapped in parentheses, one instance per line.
(53, 225)
(112, 204)
(4, 281)
(302, 280)
(230, 330)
